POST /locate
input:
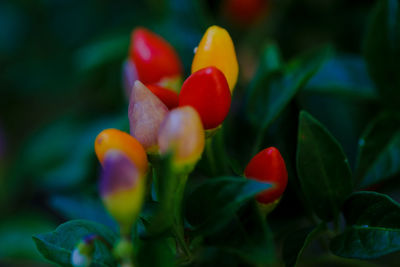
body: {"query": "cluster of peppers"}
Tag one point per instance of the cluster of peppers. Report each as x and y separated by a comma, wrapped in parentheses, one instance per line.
(170, 118)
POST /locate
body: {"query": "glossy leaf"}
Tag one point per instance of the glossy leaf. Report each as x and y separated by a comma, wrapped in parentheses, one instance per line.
(58, 245)
(374, 229)
(225, 195)
(273, 88)
(323, 169)
(379, 150)
(343, 75)
(372, 209)
(366, 242)
(382, 49)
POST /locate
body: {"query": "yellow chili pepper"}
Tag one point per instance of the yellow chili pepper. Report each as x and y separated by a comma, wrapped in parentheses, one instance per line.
(216, 49)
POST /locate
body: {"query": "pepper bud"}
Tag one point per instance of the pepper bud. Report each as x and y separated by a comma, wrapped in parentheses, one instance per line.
(216, 49)
(182, 134)
(207, 91)
(268, 166)
(122, 189)
(118, 140)
(129, 76)
(146, 113)
(168, 97)
(83, 252)
(155, 59)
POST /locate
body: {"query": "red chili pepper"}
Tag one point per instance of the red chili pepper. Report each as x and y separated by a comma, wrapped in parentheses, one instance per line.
(207, 91)
(245, 12)
(167, 96)
(155, 59)
(268, 166)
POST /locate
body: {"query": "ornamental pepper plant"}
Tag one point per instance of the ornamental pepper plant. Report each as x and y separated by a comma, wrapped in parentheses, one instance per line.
(200, 133)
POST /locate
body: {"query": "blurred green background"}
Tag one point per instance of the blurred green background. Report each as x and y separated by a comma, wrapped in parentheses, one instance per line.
(60, 83)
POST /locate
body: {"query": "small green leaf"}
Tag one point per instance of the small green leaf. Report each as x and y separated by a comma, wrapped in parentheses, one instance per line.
(366, 242)
(298, 241)
(323, 169)
(273, 88)
(58, 245)
(379, 150)
(270, 61)
(215, 201)
(382, 49)
(374, 229)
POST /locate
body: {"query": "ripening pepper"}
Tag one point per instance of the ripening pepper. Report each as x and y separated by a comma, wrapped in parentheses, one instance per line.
(182, 134)
(268, 166)
(122, 189)
(207, 91)
(82, 254)
(155, 59)
(168, 97)
(146, 113)
(216, 49)
(245, 12)
(115, 139)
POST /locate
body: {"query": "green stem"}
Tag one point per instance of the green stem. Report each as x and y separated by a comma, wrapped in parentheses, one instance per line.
(181, 243)
(178, 227)
(124, 251)
(210, 156)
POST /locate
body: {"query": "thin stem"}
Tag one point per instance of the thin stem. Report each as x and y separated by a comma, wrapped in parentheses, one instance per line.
(210, 155)
(181, 243)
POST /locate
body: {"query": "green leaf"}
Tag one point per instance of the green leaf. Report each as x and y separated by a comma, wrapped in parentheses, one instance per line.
(382, 49)
(379, 150)
(270, 61)
(273, 88)
(15, 235)
(374, 229)
(366, 242)
(343, 75)
(246, 235)
(323, 169)
(212, 203)
(372, 209)
(58, 245)
(102, 52)
(298, 241)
